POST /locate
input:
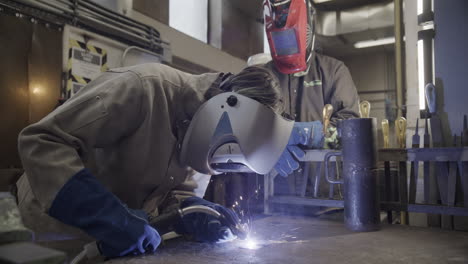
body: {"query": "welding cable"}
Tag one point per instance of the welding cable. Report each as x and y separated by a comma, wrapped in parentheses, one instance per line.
(89, 251)
(79, 257)
(200, 209)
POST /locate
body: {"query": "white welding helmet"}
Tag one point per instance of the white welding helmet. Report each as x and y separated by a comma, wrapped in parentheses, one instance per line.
(234, 133)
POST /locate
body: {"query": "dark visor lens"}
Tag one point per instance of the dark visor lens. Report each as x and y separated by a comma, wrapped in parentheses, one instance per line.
(285, 42)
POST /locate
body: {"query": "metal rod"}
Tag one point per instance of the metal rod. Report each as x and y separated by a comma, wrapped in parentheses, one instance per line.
(305, 177)
(306, 201)
(425, 208)
(403, 190)
(385, 206)
(318, 177)
(399, 60)
(376, 91)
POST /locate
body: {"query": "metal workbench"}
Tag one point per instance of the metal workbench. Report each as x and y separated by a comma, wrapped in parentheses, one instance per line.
(286, 239)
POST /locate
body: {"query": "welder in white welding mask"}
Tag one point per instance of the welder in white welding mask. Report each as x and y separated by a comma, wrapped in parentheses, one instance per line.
(119, 150)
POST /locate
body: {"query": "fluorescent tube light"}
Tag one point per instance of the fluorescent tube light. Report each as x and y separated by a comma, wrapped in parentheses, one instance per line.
(372, 43)
(420, 7)
(421, 77)
(321, 1)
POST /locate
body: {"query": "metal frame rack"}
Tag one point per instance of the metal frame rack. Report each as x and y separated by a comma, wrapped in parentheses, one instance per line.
(445, 164)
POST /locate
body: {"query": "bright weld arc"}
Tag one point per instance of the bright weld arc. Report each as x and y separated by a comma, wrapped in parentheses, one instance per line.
(251, 244)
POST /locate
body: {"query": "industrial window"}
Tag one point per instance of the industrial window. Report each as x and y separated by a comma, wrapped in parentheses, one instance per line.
(190, 17)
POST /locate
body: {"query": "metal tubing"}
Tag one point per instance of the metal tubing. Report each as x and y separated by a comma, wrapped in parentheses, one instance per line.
(399, 59)
(326, 161)
(361, 196)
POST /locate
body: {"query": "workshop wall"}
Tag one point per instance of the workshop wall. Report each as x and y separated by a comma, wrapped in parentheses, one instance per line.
(241, 35)
(14, 95)
(374, 77)
(158, 10)
(232, 36)
(29, 81)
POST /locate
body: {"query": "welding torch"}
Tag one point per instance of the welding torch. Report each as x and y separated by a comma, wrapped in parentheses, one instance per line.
(164, 222)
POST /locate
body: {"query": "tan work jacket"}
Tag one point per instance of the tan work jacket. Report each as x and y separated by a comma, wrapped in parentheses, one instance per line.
(126, 126)
(327, 81)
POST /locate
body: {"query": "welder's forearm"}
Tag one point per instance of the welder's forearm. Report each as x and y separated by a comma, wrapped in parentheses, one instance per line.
(49, 162)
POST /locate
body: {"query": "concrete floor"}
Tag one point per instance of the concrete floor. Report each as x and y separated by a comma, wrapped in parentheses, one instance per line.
(287, 239)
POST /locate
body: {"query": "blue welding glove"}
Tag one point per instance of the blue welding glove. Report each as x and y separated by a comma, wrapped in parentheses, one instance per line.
(84, 203)
(306, 134)
(204, 227)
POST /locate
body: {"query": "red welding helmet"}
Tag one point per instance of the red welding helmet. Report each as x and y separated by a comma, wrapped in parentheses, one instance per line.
(288, 29)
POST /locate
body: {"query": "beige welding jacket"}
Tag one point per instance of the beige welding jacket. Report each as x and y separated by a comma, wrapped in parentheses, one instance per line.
(126, 127)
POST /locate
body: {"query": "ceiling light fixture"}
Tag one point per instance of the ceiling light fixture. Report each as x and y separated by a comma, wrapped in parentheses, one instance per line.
(374, 42)
(321, 1)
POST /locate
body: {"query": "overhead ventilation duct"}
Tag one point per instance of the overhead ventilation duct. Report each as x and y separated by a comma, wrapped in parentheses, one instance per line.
(375, 16)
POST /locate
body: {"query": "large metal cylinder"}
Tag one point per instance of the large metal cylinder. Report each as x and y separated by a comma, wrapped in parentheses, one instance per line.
(361, 196)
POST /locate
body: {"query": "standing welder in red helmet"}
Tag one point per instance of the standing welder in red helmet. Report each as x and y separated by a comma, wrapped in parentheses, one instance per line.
(308, 80)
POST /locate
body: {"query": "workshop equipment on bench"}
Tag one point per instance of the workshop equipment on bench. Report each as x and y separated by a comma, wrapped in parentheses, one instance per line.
(360, 179)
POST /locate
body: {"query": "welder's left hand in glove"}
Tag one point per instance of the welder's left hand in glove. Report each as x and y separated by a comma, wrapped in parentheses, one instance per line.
(204, 227)
(331, 140)
(306, 134)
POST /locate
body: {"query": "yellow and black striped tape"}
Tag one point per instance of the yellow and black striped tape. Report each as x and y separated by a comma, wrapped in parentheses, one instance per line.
(78, 79)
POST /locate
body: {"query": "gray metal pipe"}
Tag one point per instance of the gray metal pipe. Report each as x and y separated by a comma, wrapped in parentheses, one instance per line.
(361, 197)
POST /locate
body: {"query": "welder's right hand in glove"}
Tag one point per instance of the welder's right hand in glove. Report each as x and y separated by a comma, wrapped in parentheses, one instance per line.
(204, 227)
(84, 203)
(305, 134)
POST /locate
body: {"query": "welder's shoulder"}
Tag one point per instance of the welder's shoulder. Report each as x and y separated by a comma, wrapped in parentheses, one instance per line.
(271, 66)
(330, 64)
(155, 70)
